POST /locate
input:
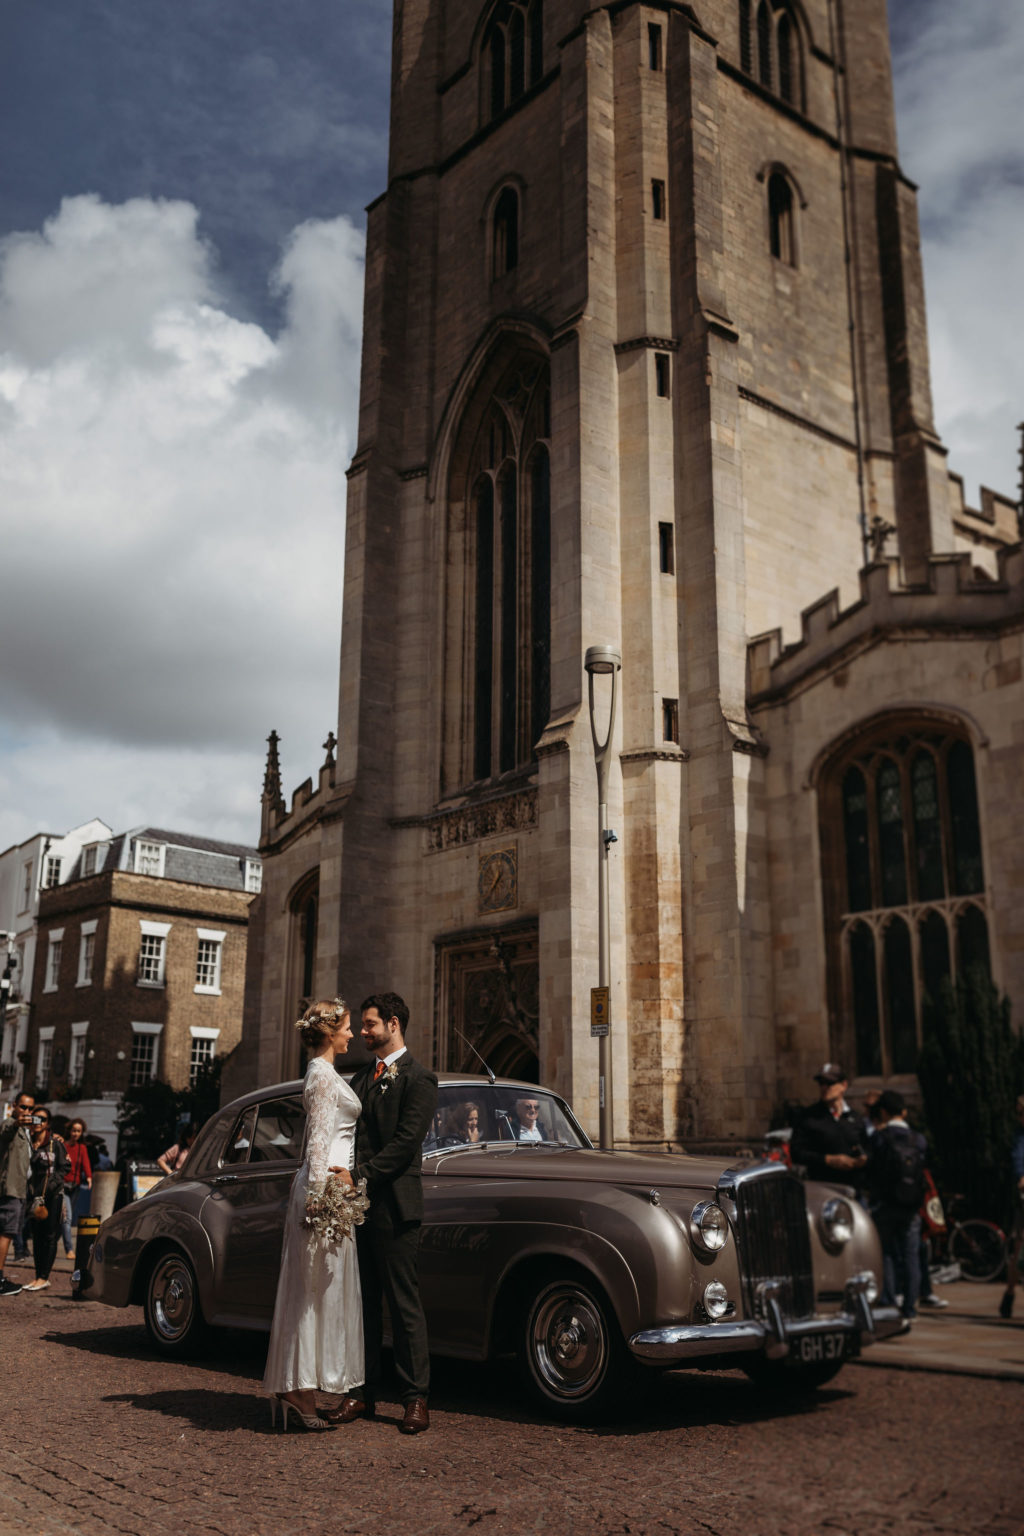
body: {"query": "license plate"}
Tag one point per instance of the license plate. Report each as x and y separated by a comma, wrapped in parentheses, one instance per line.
(832, 1345)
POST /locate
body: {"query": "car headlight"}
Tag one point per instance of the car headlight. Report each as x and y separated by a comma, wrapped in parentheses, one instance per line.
(716, 1300)
(709, 1226)
(837, 1222)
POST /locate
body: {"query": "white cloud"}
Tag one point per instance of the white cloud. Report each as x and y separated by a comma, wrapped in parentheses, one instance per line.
(958, 91)
(173, 489)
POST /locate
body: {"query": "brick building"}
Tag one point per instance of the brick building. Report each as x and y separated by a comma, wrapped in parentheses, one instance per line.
(140, 967)
(645, 365)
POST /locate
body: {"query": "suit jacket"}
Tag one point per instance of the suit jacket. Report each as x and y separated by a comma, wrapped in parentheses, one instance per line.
(819, 1134)
(397, 1114)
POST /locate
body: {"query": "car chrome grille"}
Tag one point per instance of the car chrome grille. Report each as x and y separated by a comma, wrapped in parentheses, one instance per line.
(774, 1243)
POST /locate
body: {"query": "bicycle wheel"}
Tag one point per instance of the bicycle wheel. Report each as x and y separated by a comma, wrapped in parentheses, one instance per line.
(979, 1247)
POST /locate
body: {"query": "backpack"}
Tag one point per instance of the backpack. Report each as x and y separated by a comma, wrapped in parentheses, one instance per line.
(900, 1177)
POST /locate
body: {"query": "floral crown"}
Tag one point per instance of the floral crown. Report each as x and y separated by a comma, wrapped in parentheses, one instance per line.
(319, 1013)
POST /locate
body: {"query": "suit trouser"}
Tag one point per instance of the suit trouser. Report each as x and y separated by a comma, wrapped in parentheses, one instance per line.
(388, 1251)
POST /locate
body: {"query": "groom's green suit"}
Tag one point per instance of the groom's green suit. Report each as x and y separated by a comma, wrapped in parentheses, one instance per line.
(397, 1113)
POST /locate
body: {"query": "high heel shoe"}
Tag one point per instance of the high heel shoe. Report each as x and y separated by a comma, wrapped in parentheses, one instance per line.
(310, 1421)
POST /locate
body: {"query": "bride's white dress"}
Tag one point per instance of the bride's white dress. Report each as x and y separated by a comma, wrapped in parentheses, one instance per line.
(317, 1335)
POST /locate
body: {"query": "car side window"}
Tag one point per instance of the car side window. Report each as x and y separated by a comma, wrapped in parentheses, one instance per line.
(239, 1142)
(280, 1124)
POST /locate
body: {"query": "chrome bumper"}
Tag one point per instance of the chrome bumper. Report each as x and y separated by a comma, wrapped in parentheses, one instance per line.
(772, 1335)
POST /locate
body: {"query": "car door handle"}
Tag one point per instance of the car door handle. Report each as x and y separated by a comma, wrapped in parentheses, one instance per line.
(226, 1178)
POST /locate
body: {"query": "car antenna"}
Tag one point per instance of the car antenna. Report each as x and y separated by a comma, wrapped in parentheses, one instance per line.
(476, 1053)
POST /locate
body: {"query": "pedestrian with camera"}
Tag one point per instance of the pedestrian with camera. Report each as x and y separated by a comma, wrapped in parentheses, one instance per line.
(15, 1164)
(49, 1168)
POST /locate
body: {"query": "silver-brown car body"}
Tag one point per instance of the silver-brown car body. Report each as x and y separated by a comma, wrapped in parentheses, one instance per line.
(589, 1265)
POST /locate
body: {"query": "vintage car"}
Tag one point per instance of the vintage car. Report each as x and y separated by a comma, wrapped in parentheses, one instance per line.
(591, 1267)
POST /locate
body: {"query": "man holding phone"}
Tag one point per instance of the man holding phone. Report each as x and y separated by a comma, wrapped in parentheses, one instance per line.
(15, 1158)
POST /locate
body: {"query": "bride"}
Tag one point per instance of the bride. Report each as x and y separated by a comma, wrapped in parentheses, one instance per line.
(316, 1341)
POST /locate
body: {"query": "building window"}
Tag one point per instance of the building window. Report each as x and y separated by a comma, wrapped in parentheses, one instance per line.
(26, 885)
(44, 1059)
(79, 1045)
(666, 549)
(654, 56)
(781, 232)
(208, 953)
(149, 858)
(505, 244)
(779, 61)
(53, 957)
(51, 873)
(906, 906)
(153, 953)
(86, 952)
(145, 1054)
(512, 52)
(501, 586)
(204, 1043)
(661, 375)
(658, 199)
(670, 720)
(254, 876)
(89, 860)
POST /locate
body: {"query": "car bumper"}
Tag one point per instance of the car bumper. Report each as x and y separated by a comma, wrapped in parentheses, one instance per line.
(773, 1335)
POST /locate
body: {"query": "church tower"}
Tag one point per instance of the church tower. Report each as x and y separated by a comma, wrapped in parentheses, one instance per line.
(644, 365)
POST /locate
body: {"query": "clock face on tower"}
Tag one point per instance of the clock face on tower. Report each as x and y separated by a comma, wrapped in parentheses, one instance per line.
(497, 882)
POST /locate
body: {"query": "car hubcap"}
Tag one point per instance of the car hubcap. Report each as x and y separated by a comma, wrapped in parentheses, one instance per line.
(172, 1295)
(569, 1342)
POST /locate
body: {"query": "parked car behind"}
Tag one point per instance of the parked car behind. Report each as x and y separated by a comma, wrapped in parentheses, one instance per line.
(594, 1268)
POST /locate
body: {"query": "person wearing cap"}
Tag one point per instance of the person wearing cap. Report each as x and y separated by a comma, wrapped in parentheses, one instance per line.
(829, 1140)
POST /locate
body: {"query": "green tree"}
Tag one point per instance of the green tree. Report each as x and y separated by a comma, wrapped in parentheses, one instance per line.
(149, 1117)
(970, 1071)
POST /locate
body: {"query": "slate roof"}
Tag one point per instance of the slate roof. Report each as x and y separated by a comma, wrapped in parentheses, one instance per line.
(194, 860)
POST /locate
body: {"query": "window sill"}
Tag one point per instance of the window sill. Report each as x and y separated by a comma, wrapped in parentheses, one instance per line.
(207, 991)
(50, 989)
(86, 983)
(154, 986)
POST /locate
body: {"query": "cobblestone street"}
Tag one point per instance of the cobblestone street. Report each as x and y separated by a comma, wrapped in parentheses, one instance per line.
(99, 1436)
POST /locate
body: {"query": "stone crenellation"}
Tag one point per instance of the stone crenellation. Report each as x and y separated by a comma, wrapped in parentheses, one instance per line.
(955, 595)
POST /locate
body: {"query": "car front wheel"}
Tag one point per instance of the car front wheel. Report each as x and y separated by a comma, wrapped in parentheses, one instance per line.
(571, 1353)
(173, 1316)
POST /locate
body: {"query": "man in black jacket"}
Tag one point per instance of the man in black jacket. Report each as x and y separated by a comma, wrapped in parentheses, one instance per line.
(399, 1098)
(829, 1140)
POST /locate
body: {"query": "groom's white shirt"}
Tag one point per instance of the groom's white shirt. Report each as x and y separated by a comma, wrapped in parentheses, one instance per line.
(394, 1055)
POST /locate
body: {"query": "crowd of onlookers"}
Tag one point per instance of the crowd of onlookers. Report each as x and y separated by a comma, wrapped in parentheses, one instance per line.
(46, 1174)
(878, 1154)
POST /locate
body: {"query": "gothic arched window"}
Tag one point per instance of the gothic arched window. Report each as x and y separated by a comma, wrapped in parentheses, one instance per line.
(781, 219)
(499, 594)
(505, 242)
(512, 52)
(770, 48)
(904, 885)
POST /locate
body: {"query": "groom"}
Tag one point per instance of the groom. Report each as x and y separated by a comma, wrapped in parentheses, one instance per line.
(399, 1098)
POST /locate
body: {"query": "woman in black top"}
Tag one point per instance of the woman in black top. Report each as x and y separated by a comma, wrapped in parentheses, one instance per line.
(50, 1164)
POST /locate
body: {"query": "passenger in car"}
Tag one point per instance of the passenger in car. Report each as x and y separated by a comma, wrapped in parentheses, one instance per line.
(464, 1123)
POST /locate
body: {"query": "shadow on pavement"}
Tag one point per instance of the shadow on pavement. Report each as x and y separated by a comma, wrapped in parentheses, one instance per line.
(228, 1352)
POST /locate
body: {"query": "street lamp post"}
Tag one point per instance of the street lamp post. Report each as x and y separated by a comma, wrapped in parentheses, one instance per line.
(603, 660)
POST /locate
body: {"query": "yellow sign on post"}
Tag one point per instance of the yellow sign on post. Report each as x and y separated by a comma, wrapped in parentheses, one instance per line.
(598, 1011)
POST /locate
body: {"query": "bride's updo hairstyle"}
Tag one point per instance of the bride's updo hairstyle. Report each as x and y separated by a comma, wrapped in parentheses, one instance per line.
(320, 1020)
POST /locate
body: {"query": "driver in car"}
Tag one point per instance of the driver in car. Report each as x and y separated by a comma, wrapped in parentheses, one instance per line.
(526, 1112)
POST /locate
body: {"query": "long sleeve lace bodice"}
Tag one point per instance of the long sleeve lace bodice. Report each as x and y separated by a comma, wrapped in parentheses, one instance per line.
(320, 1098)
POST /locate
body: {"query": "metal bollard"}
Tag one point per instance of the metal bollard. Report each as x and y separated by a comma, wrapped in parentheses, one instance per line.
(88, 1227)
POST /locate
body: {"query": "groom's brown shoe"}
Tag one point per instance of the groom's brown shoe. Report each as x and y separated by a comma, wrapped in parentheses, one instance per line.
(416, 1419)
(348, 1409)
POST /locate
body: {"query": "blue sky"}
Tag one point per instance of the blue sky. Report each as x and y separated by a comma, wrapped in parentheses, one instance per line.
(181, 214)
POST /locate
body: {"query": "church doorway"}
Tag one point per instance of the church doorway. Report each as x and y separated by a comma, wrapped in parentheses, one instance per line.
(488, 988)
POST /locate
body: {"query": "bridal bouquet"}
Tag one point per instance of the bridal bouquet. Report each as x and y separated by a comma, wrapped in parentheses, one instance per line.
(333, 1211)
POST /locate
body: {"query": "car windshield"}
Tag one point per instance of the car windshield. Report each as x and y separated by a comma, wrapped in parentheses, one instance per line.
(477, 1113)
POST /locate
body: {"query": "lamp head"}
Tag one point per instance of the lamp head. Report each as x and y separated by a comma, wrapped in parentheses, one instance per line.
(601, 659)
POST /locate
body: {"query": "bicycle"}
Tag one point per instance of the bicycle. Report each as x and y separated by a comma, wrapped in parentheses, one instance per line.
(979, 1247)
